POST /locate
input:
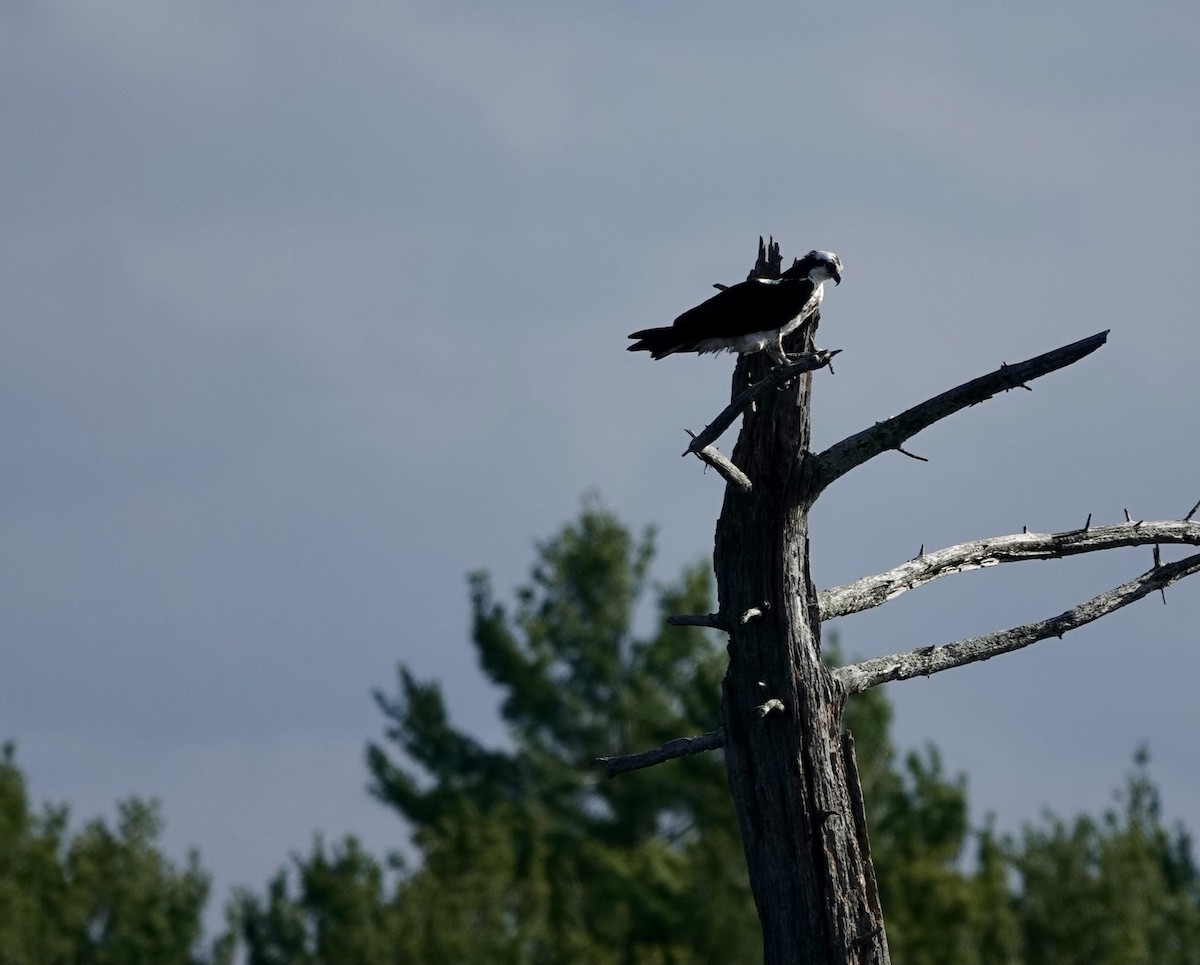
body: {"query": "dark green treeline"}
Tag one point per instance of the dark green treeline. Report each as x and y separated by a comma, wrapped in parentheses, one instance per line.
(526, 855)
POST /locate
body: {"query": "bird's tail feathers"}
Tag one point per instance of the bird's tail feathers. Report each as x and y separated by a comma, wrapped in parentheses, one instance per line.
(659, 342)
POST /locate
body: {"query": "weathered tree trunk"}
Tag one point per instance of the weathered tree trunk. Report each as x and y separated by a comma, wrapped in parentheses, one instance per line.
(790, 769)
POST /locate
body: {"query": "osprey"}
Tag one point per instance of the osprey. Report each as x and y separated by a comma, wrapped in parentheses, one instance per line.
(749, 316)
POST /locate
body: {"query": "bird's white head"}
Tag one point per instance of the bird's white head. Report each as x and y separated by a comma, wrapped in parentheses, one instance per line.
(820, 266)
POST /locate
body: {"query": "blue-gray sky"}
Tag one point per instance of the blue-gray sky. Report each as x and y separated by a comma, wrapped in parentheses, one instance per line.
(311, 308)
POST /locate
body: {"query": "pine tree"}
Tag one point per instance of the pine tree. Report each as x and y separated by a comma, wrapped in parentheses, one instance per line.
(105, 895)
(633, 870)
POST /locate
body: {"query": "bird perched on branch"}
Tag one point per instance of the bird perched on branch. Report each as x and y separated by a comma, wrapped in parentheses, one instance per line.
(750, 316)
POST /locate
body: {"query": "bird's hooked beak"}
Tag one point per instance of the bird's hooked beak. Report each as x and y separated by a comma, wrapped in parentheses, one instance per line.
(835, 275)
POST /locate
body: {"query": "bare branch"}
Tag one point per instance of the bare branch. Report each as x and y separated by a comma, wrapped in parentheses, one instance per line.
(805, 362)
(731, 474)
(930, 660)
(871, 591)
(714, 620)
(853, 451)
(772, 706)
(680, 747)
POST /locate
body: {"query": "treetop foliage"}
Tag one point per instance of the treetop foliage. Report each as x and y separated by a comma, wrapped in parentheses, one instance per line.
(103, 895)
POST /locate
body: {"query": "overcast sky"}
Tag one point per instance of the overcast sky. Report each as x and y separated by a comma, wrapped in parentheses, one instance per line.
(311, 308)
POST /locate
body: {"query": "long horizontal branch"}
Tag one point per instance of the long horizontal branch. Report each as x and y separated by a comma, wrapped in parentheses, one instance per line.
(806, 362)
(680, 747)
(871, 591)
(892, 433)
(930, 660)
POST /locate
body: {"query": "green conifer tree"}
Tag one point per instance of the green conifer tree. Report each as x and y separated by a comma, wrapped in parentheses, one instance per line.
(106, 896)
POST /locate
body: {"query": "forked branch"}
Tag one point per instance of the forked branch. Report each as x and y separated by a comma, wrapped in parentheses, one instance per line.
(871, 591)
(930, 660)
(805, 362)
(892, 433)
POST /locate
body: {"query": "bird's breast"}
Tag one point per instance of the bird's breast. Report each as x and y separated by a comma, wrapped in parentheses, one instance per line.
(810, 306)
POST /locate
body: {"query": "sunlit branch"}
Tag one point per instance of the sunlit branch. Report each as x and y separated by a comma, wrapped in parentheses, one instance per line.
(728, 471)
(871, 591)
(925, 661)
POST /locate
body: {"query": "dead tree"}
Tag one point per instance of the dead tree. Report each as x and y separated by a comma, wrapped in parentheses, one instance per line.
(791, 765)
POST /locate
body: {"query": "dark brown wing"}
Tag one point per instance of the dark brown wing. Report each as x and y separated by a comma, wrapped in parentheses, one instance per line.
(751, 306)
